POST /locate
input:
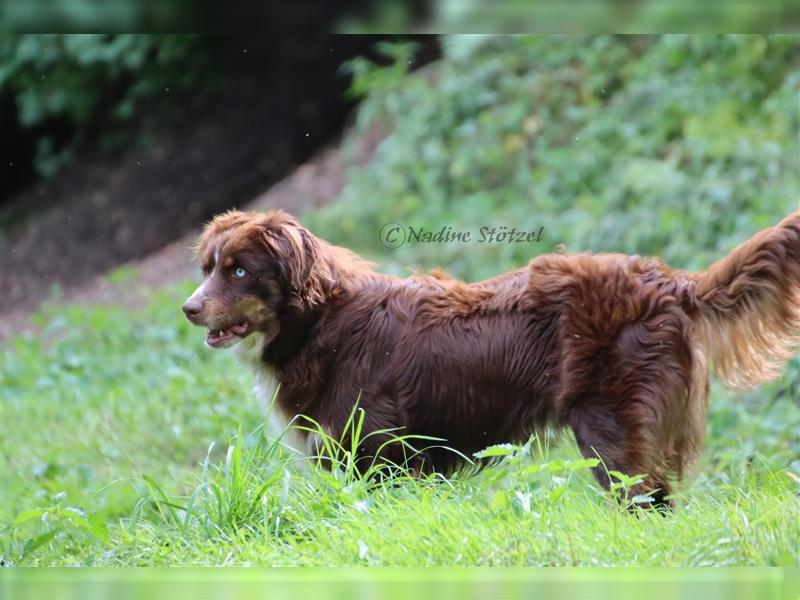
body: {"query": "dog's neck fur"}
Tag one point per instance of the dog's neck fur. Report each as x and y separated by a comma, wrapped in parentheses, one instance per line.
(295, 331)
(336, 274)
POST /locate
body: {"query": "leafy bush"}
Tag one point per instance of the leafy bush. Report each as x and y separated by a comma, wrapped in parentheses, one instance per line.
(674, 145)
(91, 82)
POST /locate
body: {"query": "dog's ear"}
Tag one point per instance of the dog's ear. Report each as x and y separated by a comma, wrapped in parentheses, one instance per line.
(300, 260)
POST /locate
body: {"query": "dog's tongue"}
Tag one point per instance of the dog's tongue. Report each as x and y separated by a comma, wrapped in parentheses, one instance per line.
(238, 329)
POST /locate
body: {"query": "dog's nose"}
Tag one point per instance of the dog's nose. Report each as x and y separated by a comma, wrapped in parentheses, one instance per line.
(192, 307)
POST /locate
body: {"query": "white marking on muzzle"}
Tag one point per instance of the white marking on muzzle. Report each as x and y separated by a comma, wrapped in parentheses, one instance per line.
(199, 293)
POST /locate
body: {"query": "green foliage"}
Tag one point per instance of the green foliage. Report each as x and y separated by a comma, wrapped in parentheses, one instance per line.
(92, 82)
(234, 496)
(99, 399)
(677, 146)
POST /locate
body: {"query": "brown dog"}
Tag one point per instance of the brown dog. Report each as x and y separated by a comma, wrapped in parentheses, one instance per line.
(615, 347)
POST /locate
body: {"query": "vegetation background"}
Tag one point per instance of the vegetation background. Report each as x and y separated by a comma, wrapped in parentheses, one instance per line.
(125, 442)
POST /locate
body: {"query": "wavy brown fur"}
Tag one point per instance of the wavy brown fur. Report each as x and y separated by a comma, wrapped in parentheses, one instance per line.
(749, 306)
(612, 346)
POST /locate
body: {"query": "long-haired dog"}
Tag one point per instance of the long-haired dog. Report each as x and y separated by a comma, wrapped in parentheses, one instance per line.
(615, 347)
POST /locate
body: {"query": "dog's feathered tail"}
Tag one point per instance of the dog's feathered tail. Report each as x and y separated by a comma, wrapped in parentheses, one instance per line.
(747, 306)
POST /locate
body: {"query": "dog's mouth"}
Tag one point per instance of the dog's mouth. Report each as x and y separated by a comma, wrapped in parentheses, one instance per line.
(222, 338)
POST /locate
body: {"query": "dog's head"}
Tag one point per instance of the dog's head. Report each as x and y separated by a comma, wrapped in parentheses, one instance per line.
(256, 268)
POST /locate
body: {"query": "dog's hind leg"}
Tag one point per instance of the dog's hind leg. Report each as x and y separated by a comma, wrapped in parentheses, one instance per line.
(620, 443)
(634, 406)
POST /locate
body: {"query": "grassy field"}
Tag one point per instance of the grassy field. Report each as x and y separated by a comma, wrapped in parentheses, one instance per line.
(126, 442)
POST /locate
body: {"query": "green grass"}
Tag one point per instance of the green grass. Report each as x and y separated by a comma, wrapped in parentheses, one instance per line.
(125, 442)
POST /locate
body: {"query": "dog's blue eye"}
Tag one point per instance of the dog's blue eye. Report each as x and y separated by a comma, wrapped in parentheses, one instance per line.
(240, 272)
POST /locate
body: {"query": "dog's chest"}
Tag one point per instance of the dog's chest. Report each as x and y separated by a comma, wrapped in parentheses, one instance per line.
(279, 420)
